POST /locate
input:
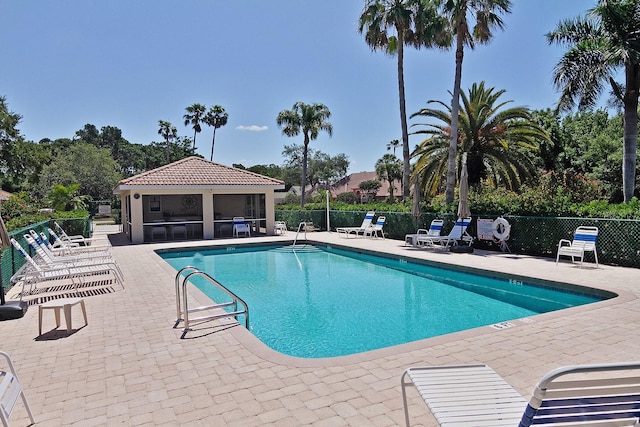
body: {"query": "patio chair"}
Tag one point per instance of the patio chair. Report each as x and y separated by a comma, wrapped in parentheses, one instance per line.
(584, 240)
(376, 228)
(279, 227)
(10, 391)
(458, 232)
(366, 223)
(434, 231)
(475, 395)
(240, 227)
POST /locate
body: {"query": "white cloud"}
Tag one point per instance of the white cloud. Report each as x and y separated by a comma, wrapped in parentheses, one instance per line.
(253, 128)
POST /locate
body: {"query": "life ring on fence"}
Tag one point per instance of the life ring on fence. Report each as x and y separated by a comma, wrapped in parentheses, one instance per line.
(501, 229)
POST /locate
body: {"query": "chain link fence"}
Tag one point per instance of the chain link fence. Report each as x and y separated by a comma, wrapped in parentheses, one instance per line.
(618, 239)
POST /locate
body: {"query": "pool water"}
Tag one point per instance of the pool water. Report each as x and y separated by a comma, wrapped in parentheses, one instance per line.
(323, 302)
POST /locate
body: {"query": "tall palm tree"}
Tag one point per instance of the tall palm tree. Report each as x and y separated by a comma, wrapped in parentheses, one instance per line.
(308, 119)
(389, 168)
(168, 132)
(216, 117)
(393, 144)
(497, 141)
(389, 25)
(600, 44)
(458, 13)
(194, 116)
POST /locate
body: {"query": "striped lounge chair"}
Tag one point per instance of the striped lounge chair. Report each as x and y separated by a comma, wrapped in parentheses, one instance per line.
(475, 395)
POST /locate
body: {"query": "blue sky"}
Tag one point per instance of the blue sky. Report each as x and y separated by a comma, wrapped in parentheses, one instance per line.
(131, 63)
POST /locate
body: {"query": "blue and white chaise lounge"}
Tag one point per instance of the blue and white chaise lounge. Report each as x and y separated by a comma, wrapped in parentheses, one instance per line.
(475, 395)
(458, 232)
(366, 223)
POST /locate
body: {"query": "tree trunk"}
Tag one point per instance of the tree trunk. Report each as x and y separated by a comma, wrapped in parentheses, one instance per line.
(455, 107)
(213, 141)
(194, 141)
(403, 116)
(305, 152)
(630, 145)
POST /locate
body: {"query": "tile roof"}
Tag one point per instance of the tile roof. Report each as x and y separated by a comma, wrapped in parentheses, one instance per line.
(196, 171)
(352, 182)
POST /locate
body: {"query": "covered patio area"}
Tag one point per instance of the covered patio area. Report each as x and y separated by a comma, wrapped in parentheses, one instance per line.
(195, 199)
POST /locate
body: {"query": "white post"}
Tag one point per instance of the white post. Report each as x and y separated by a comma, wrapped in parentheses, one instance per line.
(328, 229)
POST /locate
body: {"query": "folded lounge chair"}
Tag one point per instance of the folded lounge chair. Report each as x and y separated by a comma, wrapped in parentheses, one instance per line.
(435, 228)
(366, 223)
(458, 232)
(584, 240)
(475, 395)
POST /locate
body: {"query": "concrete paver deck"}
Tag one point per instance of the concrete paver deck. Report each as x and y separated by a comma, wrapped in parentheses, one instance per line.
(130, 367)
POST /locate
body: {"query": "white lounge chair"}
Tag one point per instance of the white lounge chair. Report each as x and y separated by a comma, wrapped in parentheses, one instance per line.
(33, 273)
(59, 246)
(435, 228)
(77, 260)
(76, 239)
(279, 227)
(584, 240)
(376, 228)
(10, 391)
(475, 395)
(458, 232)
(240, 227)
(366, 223)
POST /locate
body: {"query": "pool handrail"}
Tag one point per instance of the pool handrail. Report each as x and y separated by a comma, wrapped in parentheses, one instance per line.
(303, 226)
(182, 310)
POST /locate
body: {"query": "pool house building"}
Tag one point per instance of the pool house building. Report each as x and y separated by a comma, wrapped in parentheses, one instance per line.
(194, 198)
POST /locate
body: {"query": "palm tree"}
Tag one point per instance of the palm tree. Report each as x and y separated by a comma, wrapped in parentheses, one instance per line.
(194, 116)
(310, 120)
(599, 45)
(458, 13)
(216, 117)
(389, 168)
(168, 132)
(394, 143)
(390, 25)
(497, 141)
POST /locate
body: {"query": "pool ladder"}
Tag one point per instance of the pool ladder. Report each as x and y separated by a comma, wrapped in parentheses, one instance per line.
(302, 226)
(182, 302)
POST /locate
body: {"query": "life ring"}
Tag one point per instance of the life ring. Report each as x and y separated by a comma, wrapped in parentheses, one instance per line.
(501, 229)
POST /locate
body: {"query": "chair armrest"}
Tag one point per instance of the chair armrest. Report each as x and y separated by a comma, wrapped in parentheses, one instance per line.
(564, 242)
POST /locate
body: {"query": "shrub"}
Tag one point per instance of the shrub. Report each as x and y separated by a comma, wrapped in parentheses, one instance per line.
(347, 197)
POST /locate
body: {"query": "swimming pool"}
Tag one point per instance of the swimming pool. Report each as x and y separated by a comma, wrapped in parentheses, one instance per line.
(325, 301)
